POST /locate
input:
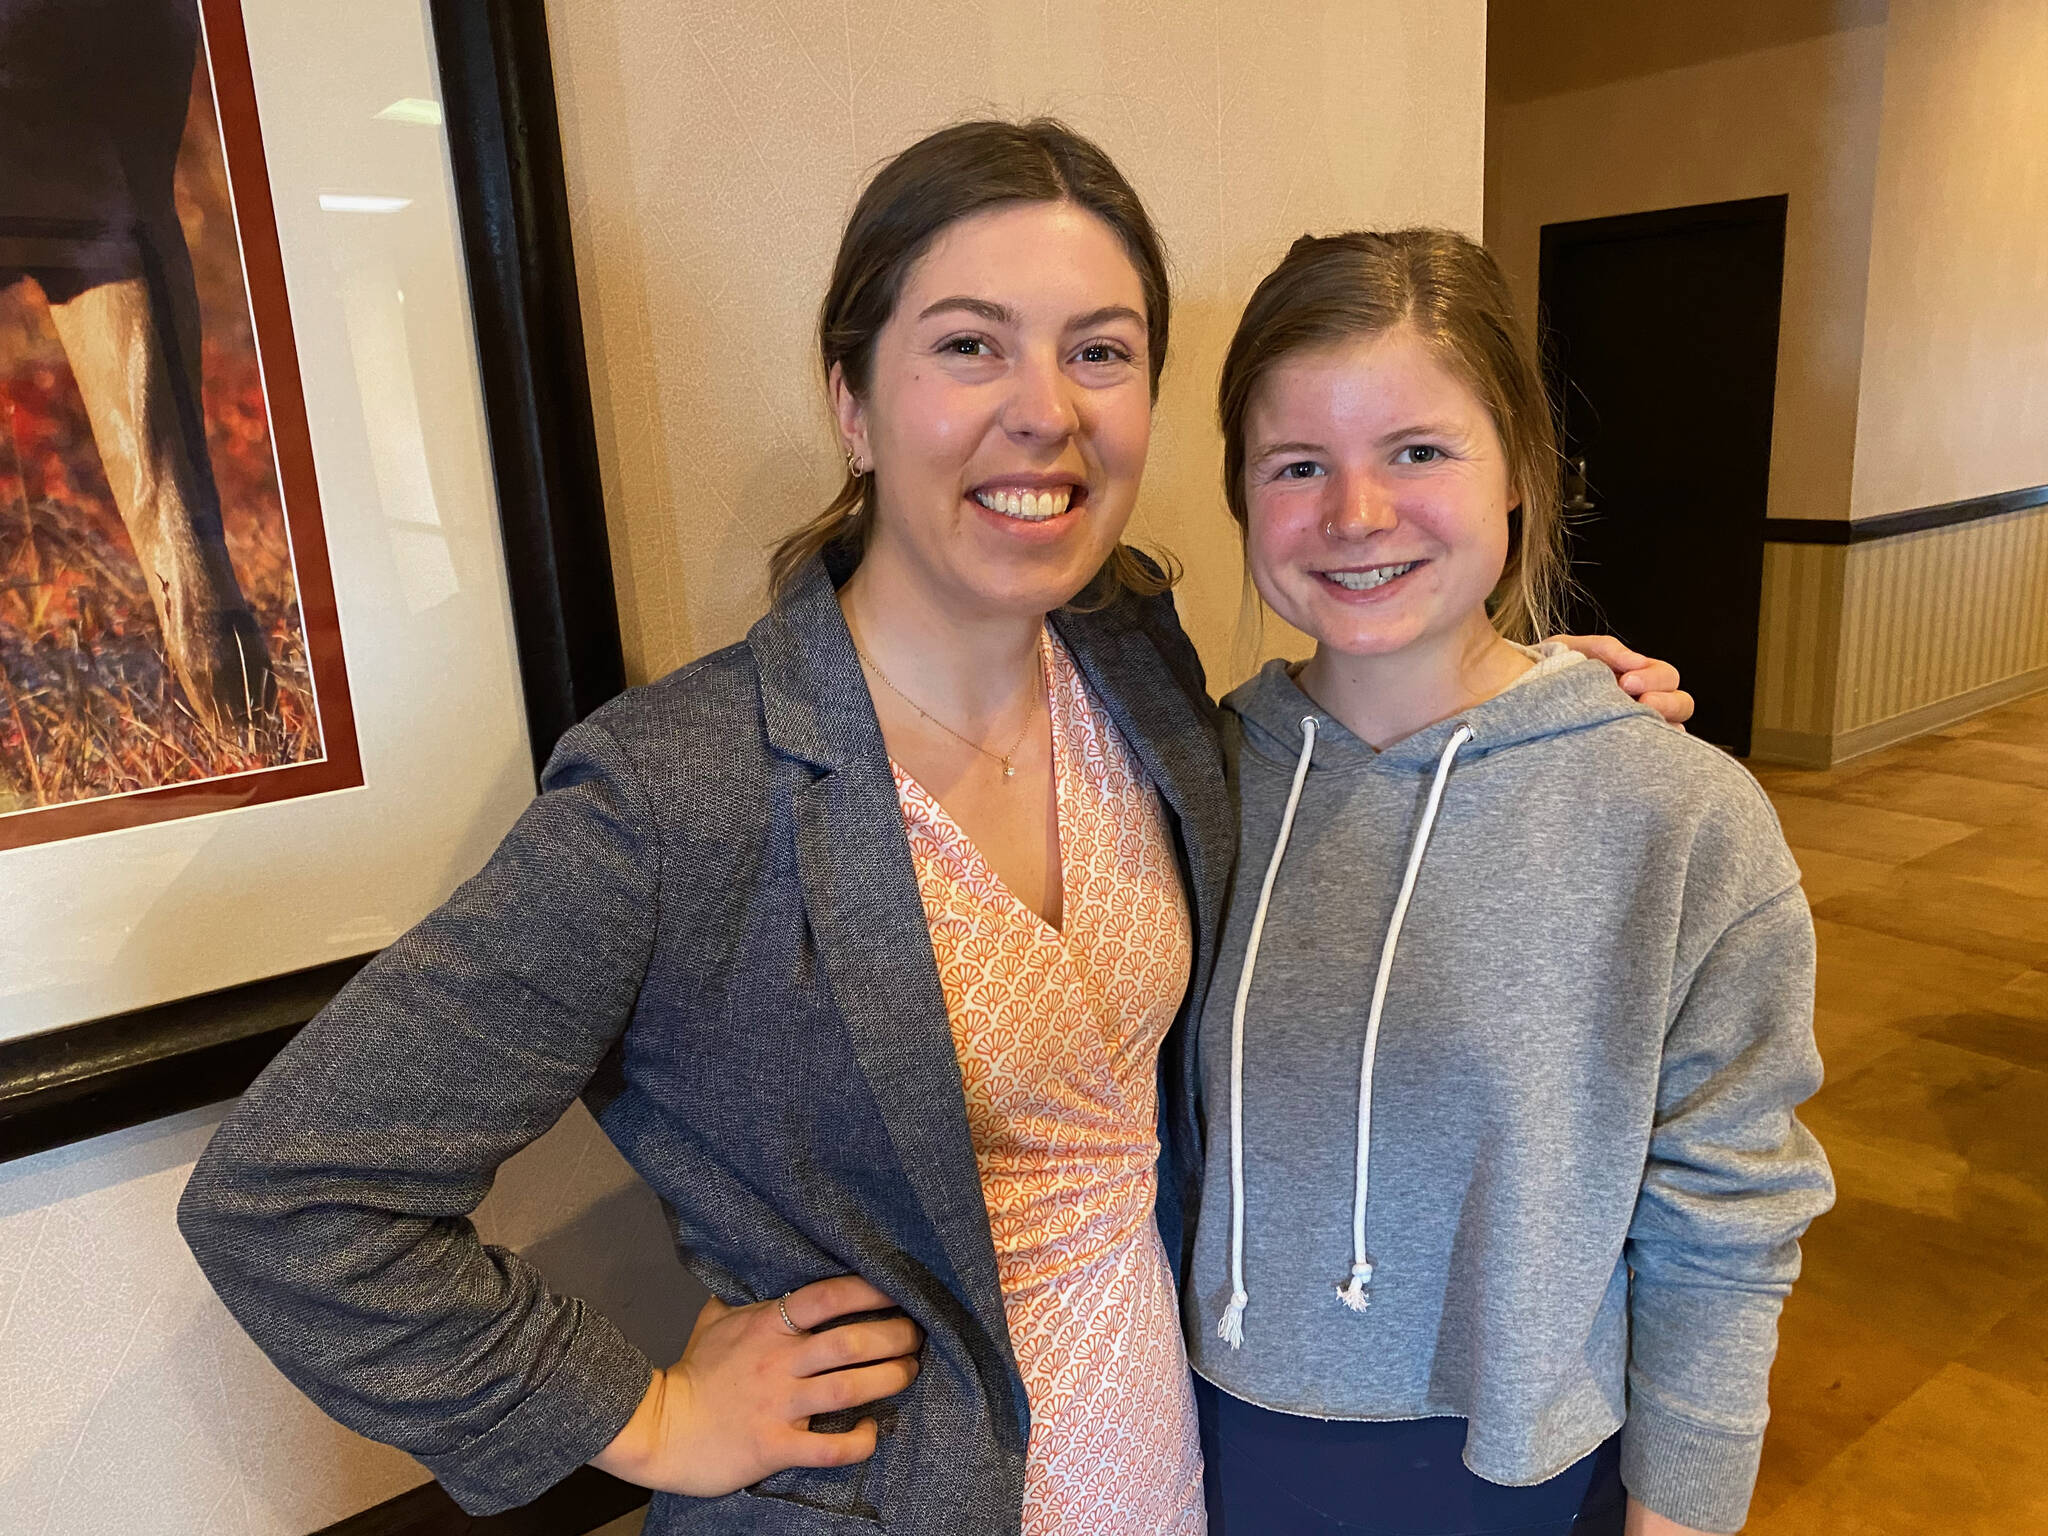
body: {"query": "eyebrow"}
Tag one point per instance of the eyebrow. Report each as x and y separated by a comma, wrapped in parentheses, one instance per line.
(1104, 315)
(1424, 429)
(995, 314)
(1000, 314)
(1416, 430)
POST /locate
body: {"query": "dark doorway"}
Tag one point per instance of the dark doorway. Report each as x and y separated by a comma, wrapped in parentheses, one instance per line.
(1661, 334)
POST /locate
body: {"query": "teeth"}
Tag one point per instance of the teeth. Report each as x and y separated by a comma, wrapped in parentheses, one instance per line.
(1365, 581)
(1027, 506)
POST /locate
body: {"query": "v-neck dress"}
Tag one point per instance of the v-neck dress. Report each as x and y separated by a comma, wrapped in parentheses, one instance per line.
(1058, 1034)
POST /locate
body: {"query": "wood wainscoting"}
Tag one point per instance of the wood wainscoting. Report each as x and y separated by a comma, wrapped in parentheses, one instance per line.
(1866, 641)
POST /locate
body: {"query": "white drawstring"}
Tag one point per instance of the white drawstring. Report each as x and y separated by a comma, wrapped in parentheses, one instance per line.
(1231, 1328)
(1353, 1291)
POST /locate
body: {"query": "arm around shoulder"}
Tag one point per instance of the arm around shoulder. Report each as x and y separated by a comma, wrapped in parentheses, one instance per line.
(331, 1210)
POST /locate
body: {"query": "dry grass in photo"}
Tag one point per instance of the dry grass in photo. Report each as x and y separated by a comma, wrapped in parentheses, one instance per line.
(88, 705)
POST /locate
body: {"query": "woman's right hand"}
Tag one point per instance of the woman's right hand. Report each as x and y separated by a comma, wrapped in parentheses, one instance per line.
(738, 1405)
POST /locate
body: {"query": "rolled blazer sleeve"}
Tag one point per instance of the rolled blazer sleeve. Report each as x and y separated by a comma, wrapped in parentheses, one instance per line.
(331, 1211)
(1731, 1182)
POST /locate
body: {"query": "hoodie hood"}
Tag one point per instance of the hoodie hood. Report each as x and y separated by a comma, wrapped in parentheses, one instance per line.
(1564, 692)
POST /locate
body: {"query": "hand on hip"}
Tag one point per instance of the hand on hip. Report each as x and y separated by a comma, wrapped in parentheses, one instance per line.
(738, 1405)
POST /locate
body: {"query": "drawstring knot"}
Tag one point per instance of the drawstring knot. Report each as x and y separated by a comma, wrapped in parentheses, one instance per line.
(1353, 1295)
(1231, 1329)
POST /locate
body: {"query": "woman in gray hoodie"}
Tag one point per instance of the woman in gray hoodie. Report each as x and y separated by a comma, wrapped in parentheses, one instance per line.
(1503, 1185)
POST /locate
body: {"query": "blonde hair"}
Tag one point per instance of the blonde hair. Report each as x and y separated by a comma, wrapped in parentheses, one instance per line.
(947, 176)
(1447, 289)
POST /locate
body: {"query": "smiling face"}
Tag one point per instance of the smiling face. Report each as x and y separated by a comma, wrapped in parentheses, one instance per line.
(1377, 494)
(1008, 411)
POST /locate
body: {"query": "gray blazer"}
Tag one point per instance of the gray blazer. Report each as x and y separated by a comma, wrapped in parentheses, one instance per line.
(708, 926)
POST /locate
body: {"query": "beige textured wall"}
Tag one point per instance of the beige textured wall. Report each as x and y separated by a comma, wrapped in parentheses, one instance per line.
(714, 150)
(1801, 119)
(1546, 47)
(1955, 377)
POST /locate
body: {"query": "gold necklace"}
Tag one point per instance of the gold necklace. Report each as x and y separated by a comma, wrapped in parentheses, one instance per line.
(1004, 758)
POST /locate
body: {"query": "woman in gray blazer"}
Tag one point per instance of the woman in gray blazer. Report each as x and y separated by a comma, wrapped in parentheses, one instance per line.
(709, 927)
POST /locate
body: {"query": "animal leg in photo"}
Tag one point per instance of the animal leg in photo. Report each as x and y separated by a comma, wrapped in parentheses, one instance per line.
(133, 347)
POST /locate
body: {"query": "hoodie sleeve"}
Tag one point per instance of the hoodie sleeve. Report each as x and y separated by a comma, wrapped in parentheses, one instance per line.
(331, 1211)
(1731, 1182)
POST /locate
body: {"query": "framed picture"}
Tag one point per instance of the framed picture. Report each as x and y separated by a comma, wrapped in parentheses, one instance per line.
(168, 642)
(303, 565)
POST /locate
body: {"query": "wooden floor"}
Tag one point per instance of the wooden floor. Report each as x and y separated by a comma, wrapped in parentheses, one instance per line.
(1911, 1390)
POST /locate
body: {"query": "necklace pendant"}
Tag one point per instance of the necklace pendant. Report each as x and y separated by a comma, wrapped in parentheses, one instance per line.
(1009, 769)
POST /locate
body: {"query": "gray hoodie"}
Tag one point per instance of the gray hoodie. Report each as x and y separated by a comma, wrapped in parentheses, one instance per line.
(1552, 1184)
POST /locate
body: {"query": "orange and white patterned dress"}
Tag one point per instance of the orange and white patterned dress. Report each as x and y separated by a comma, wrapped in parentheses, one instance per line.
(1058, 1034)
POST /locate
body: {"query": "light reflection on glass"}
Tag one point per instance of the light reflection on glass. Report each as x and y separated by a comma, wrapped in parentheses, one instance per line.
(350, 202)
(412, 109)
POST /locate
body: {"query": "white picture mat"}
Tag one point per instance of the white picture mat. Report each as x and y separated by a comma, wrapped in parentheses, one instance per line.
(380, 312)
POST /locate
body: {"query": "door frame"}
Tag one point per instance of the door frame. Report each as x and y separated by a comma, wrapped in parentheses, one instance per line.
(1563, 236)
(1569, 234)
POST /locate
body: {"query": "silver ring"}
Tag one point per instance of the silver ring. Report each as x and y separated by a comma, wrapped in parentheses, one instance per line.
(781, 1305)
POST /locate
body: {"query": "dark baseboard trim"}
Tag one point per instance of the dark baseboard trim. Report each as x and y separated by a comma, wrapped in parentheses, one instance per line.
(1803, 530)
(122, 1070)
(581, 1502)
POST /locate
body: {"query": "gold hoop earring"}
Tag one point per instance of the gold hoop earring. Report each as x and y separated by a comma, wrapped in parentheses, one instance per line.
(854, 466)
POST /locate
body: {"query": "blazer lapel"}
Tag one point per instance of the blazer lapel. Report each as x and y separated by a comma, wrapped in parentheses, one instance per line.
(860, 891)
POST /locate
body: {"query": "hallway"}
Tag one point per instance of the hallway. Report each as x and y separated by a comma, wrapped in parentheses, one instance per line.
(1911, 1390)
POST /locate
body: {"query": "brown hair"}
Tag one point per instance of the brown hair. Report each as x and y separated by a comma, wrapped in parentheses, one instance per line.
(1451, 292)
(966, 169)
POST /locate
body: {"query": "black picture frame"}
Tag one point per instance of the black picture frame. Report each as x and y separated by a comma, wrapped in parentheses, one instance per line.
(497, 82)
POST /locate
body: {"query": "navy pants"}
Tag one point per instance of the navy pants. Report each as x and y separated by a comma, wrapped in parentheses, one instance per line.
(1276, 1474)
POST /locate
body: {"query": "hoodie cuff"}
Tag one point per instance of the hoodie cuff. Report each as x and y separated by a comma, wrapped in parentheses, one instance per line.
(1685, 1471)
(586, 1400)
